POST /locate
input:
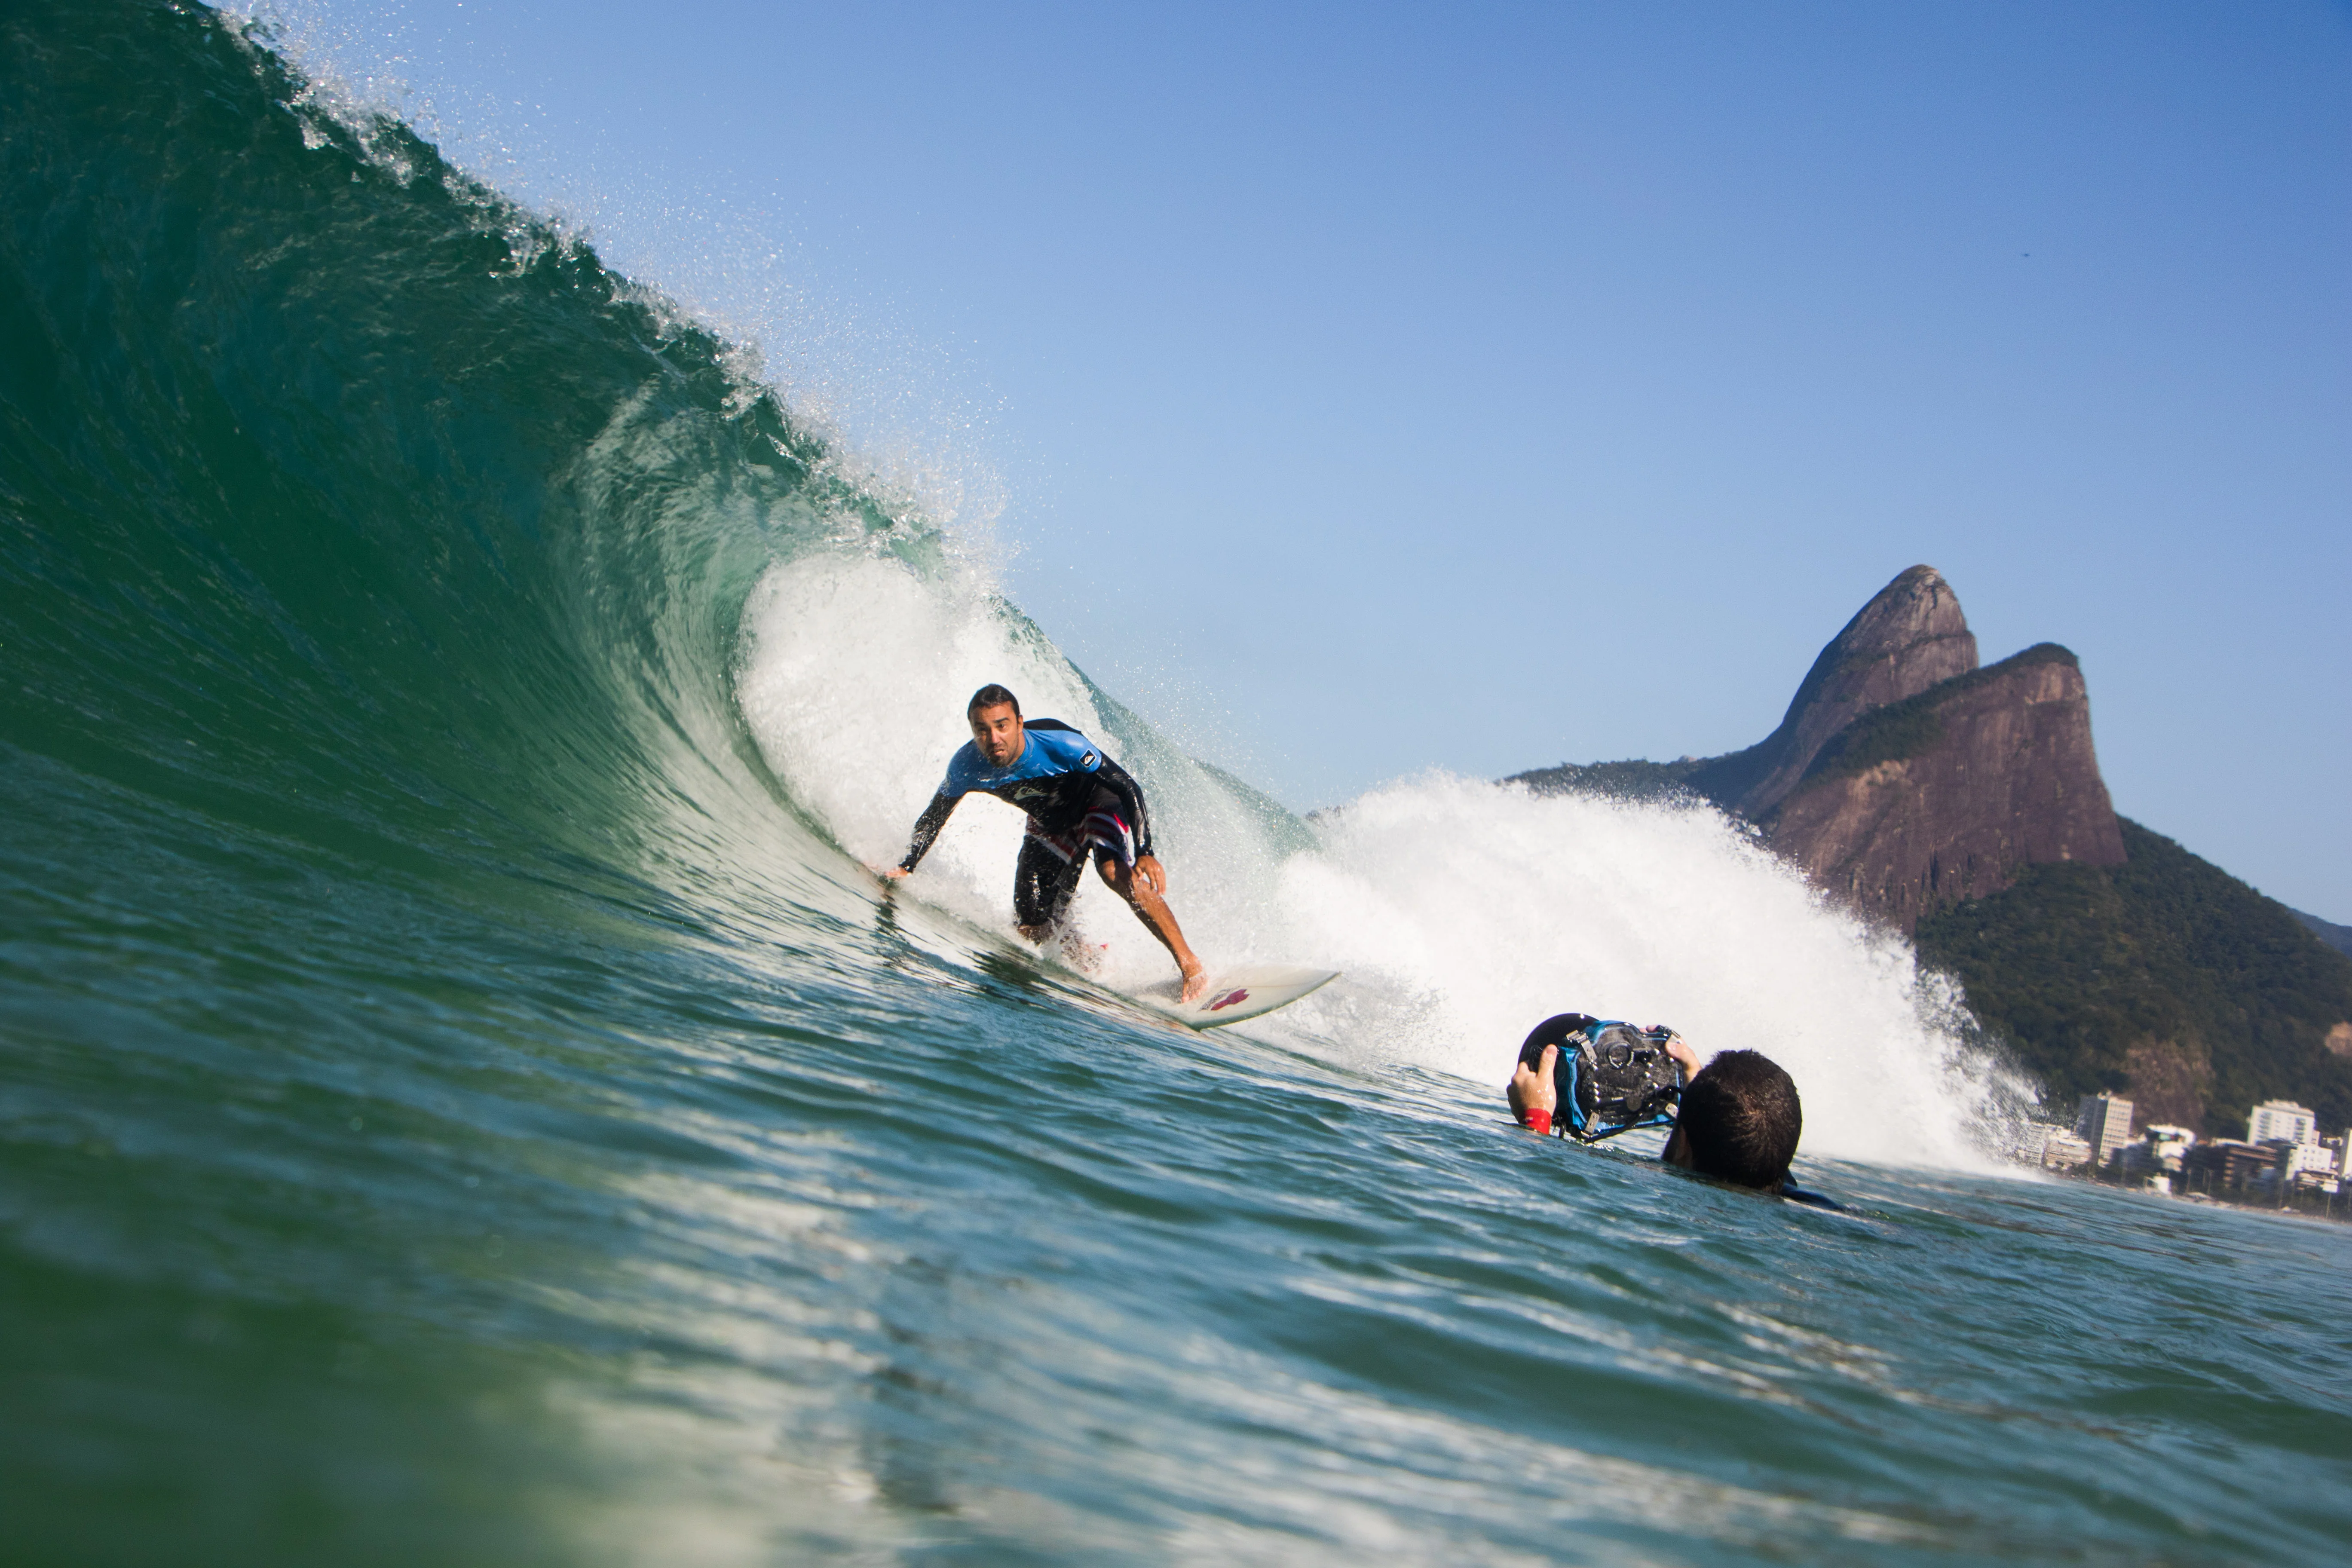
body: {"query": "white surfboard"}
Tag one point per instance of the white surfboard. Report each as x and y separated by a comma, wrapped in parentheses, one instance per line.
(1236, 994)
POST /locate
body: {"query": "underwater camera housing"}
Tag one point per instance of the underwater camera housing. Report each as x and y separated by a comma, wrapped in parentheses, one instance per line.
(1613, 1077)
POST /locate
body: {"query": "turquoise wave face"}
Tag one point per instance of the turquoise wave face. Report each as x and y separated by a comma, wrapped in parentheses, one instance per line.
(460, 1100)
(335, 480)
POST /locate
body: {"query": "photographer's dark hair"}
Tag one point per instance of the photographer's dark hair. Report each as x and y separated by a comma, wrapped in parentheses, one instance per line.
(1740, 1121)
(992, 696)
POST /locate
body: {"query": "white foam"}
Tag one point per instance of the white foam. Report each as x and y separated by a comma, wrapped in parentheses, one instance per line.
(854, 681)
(1463, 911)
(1504, 907)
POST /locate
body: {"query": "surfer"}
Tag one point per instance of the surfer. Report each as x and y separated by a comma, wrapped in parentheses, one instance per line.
(1080, 803)
(1739, 1120)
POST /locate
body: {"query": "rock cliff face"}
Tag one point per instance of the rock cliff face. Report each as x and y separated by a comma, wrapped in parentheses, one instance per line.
(2169, 1082)
(1910, 637)
(1950, 793)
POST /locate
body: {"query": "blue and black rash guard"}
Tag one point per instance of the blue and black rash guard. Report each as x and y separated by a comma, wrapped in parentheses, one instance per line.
(1058, 779)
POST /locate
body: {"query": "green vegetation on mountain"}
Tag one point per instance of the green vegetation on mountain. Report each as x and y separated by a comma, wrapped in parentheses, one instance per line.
(2100, 976)
(2335, 936)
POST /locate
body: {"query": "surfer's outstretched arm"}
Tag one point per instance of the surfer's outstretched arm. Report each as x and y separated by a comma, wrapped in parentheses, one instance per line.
(926, 831)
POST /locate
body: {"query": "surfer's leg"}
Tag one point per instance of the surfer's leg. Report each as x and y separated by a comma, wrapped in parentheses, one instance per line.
(1044, 883)
(1157, 918)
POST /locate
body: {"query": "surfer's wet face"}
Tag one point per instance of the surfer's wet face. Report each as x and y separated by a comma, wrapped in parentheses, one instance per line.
(997, 732)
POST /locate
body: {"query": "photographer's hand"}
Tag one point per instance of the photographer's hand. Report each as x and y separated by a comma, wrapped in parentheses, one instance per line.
(1534, 1085)
(1679, 1048)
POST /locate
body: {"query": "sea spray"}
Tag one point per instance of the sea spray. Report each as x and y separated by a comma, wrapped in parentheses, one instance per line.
(1462, 911)
(1491, 907)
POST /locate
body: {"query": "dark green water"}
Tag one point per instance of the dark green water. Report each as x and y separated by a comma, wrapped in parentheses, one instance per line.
(457, 1104)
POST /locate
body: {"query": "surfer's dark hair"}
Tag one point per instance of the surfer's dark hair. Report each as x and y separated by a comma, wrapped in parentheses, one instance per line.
(992, 696)
(1740, 1121)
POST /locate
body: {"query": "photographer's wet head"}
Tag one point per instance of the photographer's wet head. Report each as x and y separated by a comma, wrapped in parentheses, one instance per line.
(1739, 1122)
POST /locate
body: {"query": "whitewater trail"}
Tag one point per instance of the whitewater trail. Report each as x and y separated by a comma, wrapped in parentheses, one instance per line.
(1462, 911)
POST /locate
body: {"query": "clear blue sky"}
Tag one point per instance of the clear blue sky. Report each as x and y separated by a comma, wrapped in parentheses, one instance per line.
(1371, 389)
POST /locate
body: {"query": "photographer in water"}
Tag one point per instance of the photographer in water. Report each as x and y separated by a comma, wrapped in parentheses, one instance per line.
(1737, 1120)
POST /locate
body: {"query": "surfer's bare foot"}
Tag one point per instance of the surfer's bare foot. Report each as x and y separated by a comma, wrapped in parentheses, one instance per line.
(1196, 983)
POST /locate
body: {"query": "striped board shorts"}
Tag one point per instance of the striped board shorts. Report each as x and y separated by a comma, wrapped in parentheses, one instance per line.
(1102, 829)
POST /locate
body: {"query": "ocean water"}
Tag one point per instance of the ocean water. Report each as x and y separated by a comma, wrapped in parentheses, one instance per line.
(461, 1101)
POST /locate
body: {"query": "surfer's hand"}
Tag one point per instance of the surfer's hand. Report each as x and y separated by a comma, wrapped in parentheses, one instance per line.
(895, 873)
(1534, 1084)
(1148, 872)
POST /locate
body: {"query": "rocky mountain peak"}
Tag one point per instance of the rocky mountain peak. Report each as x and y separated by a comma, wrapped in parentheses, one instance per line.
(1911, 636)
(1947, 794)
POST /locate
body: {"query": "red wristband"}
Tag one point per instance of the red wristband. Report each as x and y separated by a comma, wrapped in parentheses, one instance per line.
(1536, 1119)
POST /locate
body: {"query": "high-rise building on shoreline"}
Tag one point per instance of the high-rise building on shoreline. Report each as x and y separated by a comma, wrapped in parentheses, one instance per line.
(2104, 1121)
(2282, 1121)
